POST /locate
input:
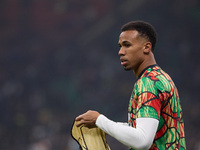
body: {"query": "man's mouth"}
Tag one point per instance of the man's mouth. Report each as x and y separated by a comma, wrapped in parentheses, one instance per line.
(123, 62)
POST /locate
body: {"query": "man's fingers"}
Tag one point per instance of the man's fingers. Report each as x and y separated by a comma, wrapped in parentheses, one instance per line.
(85, 123)
(88, 119)
(79, 123)
(78, 118)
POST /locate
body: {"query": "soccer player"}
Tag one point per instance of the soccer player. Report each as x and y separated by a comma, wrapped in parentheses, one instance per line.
(155, 115)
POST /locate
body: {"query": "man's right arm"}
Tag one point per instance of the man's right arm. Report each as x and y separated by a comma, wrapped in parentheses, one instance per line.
(140, 137)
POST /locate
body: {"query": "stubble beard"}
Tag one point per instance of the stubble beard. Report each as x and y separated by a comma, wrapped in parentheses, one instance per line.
(127, 69)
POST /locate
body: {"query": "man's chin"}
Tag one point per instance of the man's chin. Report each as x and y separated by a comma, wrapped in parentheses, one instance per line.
(127, 69)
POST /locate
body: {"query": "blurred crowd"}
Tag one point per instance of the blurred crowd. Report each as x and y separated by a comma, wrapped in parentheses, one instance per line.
(59, 58)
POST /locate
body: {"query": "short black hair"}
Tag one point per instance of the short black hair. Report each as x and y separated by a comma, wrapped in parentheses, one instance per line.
(144, 29)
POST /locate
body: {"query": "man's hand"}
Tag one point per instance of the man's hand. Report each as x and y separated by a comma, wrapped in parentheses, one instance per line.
(88, 119)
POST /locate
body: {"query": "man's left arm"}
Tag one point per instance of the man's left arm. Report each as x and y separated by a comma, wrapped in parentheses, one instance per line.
(140, 137)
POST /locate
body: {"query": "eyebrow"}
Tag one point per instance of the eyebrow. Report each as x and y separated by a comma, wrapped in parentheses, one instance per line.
(124, 42)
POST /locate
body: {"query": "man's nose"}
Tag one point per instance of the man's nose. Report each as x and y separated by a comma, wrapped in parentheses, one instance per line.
(121, 52)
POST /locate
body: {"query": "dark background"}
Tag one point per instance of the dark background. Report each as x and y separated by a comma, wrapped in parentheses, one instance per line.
(59, 58)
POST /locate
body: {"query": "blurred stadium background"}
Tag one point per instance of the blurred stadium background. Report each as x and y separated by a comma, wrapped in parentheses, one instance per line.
(59, 58)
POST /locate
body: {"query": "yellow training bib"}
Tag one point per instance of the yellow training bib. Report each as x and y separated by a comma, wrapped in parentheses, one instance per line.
(89, 139)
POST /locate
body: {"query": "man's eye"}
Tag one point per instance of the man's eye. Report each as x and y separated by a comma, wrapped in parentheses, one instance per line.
(127, 45)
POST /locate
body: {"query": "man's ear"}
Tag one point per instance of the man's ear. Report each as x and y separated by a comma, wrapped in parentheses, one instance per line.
(147, 47)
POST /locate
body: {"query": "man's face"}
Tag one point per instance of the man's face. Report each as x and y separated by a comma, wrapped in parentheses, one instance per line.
(131, 49)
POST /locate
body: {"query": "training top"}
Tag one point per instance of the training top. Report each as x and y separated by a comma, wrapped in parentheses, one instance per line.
(156, 96)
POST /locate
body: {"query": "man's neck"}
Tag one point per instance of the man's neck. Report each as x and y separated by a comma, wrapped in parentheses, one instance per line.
(150, 60)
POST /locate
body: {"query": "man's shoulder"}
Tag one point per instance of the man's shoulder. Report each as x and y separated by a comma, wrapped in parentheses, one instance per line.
(155, 78)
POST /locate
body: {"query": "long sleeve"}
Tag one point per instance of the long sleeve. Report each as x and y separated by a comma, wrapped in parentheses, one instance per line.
(140, 138)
